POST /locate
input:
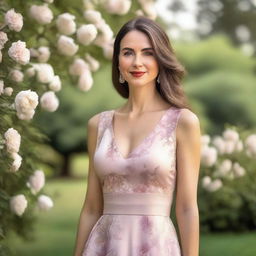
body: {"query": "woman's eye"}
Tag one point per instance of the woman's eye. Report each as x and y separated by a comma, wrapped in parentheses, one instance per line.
(127, 53)
(149, 53)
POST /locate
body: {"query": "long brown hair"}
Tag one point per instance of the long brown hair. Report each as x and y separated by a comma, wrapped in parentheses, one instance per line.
(170, 70)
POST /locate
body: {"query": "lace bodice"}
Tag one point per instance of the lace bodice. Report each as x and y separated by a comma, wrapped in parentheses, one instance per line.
(149, 168)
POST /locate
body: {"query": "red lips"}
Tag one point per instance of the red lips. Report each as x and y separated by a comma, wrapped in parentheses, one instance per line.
(137, 73)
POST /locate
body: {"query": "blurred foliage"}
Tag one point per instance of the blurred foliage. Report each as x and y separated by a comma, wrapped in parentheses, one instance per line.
(67, 126)
(220, 83)
(233, 206)
(225, 17)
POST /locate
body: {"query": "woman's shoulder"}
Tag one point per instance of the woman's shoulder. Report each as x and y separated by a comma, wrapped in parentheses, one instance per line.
(94, 120)
(188, 120)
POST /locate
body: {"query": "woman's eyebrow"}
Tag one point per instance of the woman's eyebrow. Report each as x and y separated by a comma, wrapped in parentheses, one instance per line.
(144, 49)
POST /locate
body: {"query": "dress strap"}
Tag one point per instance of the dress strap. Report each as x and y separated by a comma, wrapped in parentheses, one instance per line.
(176, 117)
(104, 119)
(171, 121)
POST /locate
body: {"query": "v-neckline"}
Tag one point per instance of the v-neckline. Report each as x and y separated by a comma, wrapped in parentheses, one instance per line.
(141, 142)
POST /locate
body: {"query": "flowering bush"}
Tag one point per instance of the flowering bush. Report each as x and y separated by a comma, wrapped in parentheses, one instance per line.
(227, 191)
(40, 46)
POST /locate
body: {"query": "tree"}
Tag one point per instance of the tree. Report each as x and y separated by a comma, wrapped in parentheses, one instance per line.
(236, 19)
(221, 79)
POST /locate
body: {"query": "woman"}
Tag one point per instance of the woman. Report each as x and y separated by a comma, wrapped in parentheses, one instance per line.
(140, 153)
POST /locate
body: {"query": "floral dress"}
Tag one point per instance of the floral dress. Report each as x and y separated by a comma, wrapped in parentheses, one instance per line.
(137, 191)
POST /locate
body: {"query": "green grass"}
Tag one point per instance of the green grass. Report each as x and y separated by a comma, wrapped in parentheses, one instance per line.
(79, 165)
(56, 229)
(228, 244)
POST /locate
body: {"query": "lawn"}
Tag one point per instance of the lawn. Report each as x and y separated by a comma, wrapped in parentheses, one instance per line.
(56, 229)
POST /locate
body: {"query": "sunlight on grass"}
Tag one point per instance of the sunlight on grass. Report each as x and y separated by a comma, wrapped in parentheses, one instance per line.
(79, 165)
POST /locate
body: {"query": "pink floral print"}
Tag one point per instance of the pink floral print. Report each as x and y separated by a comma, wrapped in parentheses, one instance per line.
(149, 170)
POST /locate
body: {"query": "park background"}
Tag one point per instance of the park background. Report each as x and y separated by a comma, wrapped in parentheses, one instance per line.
(214, 40)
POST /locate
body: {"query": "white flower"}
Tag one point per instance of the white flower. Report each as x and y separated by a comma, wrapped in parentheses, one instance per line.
(208, 156)
(3, 39)
(17, 159)
(119, 7)
(12, 140)
(88, 5)
(66, 24)
(36, 181)
(250, 140)
(224, 168)
(1, 86)
(77, 67)
(205, 140)
(139, 12)
(85, 80)
(105, 36)
(26, 115)
(93, 16)
(238, 170)
(219, 143)
(239, 146)
(30, 72)
(108, 51)
(18, 204)
(230, 134)
(93, 63)
(43, 54)
(86, 34)
(19, 52)
(226, 165)
(49, 101)
(214, 185)
(66, 46)
(41, 13)
(13, 20)
(26, 100)
(229, 146)
(44, 202)
(206, 180)
(45, 73)
(16, 75)
(250, 144)
(149, 8)
(8, 91)
(25, 104)
(55, 84)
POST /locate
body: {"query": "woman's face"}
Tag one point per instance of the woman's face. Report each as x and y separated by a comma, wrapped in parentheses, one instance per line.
(137, 55)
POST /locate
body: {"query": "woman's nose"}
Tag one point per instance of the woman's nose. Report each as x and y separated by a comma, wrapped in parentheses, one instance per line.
(137, 60)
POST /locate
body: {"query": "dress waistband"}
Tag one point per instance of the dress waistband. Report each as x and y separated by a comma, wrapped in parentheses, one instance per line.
(137, 204)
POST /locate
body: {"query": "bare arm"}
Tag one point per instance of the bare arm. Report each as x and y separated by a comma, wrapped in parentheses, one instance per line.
(188, 165)
(93, 204)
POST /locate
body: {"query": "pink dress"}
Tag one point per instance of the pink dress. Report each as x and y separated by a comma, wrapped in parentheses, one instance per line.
(137, 191)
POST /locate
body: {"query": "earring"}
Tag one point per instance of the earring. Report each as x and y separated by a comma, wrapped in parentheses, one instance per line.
(121, 79)
(158, 80)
